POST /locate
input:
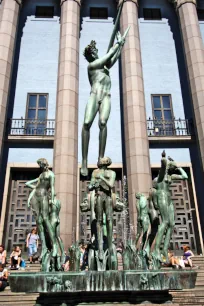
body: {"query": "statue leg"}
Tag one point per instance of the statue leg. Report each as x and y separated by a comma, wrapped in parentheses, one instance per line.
(169, 230)
(49, 228)
(99, 225)
(90, 114)
(104, 113)
(113, 261)
(40, 228)
(35, 204)
(60, 243)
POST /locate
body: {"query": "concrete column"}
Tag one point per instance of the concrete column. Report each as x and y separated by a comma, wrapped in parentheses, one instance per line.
(9, 13)
(136, 139)
(193, 47)
(66, 132)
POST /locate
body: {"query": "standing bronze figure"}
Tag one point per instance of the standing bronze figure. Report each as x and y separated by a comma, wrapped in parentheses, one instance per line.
(100, 97)
(102, 182)
(46, 209)
(168, 172)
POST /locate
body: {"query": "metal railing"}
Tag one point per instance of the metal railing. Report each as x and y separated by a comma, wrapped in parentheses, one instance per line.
(29, 127)
(165, 128)
(155, 127)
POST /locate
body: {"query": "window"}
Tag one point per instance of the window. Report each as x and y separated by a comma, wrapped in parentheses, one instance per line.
(163, 114)
(98, 13)
(200, 15)
(36, 114)
(44, 11)
(152, 14)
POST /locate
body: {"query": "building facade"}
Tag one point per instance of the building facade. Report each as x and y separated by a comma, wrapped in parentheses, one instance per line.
(157, 103)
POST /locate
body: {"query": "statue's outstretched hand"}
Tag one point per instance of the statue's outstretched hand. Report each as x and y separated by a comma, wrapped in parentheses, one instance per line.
(120, 39)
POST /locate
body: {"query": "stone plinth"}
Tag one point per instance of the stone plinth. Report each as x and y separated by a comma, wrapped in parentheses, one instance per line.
(108, 281)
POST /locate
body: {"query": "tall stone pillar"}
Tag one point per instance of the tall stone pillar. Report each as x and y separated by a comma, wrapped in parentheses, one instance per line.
(136, 139)
(193, 47)
(9, 13)
(66, 132)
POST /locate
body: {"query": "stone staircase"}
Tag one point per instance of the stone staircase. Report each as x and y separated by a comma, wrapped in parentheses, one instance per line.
(193, 297)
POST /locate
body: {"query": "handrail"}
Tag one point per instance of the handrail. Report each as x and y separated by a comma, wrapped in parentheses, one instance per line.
(174, 127)
(31, 127)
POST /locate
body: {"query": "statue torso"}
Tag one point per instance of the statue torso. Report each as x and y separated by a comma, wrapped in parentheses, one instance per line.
(100, 82)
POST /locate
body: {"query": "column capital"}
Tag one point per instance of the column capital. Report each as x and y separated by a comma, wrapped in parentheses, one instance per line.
(77, 1)
(179, 3)
(120, 2)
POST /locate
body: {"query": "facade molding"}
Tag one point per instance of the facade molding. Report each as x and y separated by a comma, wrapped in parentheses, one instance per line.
(77, 1)
(120, 2)
(179, 3)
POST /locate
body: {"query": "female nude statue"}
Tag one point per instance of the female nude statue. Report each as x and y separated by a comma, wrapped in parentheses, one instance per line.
(39, 201)
(162, 201)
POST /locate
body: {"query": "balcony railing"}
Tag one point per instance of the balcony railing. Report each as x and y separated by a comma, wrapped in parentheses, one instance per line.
(155, 127)
(29, 127)
(165, 128)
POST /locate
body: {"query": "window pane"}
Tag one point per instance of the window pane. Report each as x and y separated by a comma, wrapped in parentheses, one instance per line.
(41, 114)
(166, 102)
(156, 102)
(31, 113)
(98, 13)
(156, 14)
(32, 101)
(44, 11)
(147, 13)
(158, 114)
(42, 101)
(167, 115)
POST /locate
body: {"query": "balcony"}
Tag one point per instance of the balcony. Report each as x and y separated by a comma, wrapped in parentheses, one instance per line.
(170, 130)
(158, 130)
(30, 130)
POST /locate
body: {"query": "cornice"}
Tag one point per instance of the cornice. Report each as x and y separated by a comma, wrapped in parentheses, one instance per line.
(120, 2)
(77, 1)
(179, 3)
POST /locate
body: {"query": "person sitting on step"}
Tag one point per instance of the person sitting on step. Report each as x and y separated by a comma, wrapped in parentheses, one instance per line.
(15, 258)
(3, 277)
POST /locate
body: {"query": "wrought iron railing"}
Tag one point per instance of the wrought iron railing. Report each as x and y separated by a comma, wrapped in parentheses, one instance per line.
(155, 127)
(175, 127)
(30, 127)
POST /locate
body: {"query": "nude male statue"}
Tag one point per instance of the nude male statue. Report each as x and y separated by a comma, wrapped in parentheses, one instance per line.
(100, 97)
(102, 182)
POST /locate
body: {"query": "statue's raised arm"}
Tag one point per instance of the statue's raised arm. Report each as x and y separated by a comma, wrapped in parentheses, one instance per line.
(100, 96)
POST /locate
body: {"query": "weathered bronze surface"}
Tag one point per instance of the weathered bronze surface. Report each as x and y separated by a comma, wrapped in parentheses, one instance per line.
(46, 208)
(92, 281)
(162, 201)
(100, 97)
(102, 202)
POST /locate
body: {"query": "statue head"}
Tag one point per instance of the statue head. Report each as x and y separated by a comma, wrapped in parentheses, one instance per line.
(138, 195)
(91, 52)
(84, 206)
(43, 163)
(104, 161)
(119, 205)
(171, 166)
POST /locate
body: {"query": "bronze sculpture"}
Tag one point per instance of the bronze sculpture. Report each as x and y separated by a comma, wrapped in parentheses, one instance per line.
(102, 182)
(100, 97)
(46, 209)
(168, 172)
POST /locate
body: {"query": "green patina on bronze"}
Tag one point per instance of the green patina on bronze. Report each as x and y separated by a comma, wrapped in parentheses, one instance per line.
(100, 97)
(161, 197)
(46, 208)
(101, 201)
